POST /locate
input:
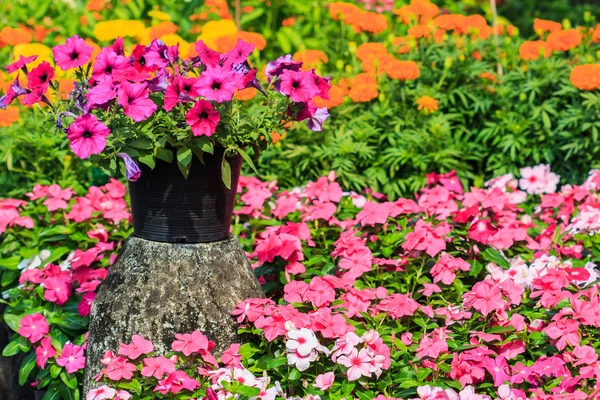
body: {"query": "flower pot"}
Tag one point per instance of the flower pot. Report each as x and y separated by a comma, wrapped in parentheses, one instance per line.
(166, 207)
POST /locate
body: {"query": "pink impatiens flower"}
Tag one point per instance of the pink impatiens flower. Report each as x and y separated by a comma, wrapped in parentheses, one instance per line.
(157, 367)
(102, 393)
(72, 358)
(34, 327)
(74, 53)
(134, 98)
(138, 346)
(87, 136)
(485, 297)
(118, 368)
(194, 342)
(538, 179)
(44, 352)
(324, 381)
(176, 382)
(202, 118)
(358, 364)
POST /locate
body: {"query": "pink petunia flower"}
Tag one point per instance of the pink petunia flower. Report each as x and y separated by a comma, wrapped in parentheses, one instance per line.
(219, 84)
(182, 89)
(33, 327)
(21, 63)
(134, 98)
(207, 56)
(74, 53)
(107, 62)
(136, 348)
(299, 86)
(203, 118)
(72, 358)
(87, 136)
(40, 76)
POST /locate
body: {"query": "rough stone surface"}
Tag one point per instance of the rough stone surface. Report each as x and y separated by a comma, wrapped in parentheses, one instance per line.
(159, 289)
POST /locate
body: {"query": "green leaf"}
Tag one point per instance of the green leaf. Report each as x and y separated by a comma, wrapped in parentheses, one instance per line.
(67, 393)
(494, 256)
(26, 367)
(226, 172)
(55, 370)
(10, 263)
(294, 375)
(248, 391)
(9, 277)
(148, 159)
(247, 158)
(13, 321)
(52, 394)
(69, 379)
(184, 160)
(142, 143)
(164, 154)
(247, 350)
(133, 386)
(204, 144)
(11, 349)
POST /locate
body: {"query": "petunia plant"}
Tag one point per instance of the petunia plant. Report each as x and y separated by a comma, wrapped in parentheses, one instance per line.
(152, 103)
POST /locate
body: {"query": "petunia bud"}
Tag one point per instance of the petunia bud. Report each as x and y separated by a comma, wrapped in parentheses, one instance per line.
(131, 168)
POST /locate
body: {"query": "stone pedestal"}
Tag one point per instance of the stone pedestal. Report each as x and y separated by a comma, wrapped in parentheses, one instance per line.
(159, 289)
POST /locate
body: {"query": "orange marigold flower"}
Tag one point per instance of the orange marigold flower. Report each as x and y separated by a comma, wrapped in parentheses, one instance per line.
(310, 58)
(450, 22)
(245, 94)
(163, 28)
(402, 43)
(403, 70)
(564, 40)
(532, 50)
(489, 76)
(290, 21)
(364, 88)
(427, 104)
(438, 35)
(371, 22)
(9, 116)
(419, 11)
(377, 65)
(248, 9)
(543, 25)
(15, 36)
(586, 77)
(476, 55)
(370, 50)
(255, 38)
(419, 31)
(336, 97)
(349, 13)
(96, 5)
(596, 34)
(344, 84)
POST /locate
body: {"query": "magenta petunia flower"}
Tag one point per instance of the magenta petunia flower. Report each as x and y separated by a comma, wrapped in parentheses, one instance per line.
(283, 63)
(156, 54)
(182, 89)
(107, 62)
(239, 54)
(208, 56)
(135, 101)
(219, 85)
(203, 118)
(300, 86)
(102, 93)
(74, 53)
(87, 136)
(15, 90)
(40, 76)
(20, 63)
(118, 46)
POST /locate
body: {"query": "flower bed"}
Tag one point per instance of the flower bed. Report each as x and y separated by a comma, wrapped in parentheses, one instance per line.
(489, 293)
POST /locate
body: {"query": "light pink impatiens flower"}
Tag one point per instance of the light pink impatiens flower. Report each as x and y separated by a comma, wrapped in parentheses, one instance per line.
(324, 381)
(358, 364)
(87, 136)
(136, 348)
(104, 392)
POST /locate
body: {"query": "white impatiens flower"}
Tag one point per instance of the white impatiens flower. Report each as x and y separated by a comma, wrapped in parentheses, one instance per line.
(301, 362)
(302, 341)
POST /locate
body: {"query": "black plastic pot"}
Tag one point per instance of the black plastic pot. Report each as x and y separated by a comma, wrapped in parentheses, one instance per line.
(166, 207)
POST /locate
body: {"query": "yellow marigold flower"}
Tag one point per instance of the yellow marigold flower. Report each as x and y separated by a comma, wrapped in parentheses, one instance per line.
(44, 53)
(159, 15)
(9, 116)
(543, 25)
(403, 70)
(110, 30)
(213, 30)
(172, 40)
(532, 50)
(427, 104)
(586, 77)
(310, 58)
(564, 40)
